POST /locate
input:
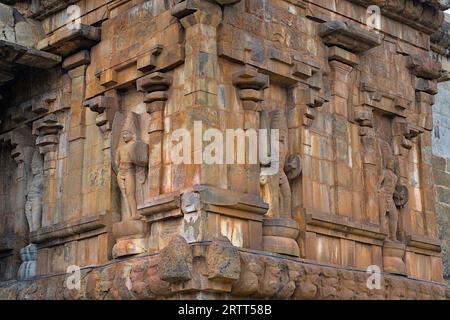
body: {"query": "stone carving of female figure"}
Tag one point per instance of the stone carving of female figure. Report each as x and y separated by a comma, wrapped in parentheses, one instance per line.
(35, 185)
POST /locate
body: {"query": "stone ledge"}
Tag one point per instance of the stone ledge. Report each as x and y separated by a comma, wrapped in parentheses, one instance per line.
(66, 41)
(162, 207)
(210, 199)
(65, 230)
(233, 273)
(351, 37)
(423, 242)
(13, 55)
(344, 224)
(18, 54)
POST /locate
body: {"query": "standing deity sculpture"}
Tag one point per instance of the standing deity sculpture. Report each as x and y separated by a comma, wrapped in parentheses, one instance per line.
(280, 229)
(387, 189)
(35, 186)
(277, 187)
(131, 161)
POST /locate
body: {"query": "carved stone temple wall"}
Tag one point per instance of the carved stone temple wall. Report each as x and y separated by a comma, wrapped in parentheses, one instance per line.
(441, 142)
(93, 92)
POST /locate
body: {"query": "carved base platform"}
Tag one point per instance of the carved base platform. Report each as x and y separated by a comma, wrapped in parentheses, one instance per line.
(222, 272)
(394, 258)
(279, 236)
(131, 240)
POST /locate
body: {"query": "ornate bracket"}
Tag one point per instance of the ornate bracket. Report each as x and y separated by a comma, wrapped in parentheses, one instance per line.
(105, 107)
(156, 87)
(47, 131)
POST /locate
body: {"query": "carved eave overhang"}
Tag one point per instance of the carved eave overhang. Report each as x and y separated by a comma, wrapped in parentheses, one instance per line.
(349, 37)
(185, 8)
(424, 67)
(440, 41)
(66, 40)
(424, 15)
(39, 9)
(13, 55)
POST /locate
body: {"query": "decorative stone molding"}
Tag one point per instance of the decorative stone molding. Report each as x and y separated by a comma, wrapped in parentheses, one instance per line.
(163, 207)
(193, 211)
(342, 224)
(245, 274)
(69, 231)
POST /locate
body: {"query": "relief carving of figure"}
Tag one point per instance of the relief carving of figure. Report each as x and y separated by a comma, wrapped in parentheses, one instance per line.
(35, 187)
(387, 189)
(131, 161)
(277, 187)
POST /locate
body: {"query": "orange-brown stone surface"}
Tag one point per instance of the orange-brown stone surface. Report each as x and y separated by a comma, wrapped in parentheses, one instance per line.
(94, 95)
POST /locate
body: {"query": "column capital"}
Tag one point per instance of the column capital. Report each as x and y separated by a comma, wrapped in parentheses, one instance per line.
(192, 12)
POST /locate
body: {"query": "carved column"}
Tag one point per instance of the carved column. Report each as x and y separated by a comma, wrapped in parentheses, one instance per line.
(76, 66)
(250, 85)
(200, 20)
(155, 87)
(106, 106)
(47, 131)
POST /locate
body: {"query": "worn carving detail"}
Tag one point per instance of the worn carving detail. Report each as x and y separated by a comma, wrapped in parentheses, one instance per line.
(386, 187)
(222, 261)
(131, 162)
(27, 269)
(33, 204)
(176, 261)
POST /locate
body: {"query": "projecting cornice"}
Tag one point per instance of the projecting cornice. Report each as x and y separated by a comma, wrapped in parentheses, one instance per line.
(424, 15)
(441, 39)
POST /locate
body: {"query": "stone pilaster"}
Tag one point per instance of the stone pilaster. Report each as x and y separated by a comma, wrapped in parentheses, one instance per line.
(47, 131)
(250, 85)
(76, 66)
(200, 20)
(155, 87)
